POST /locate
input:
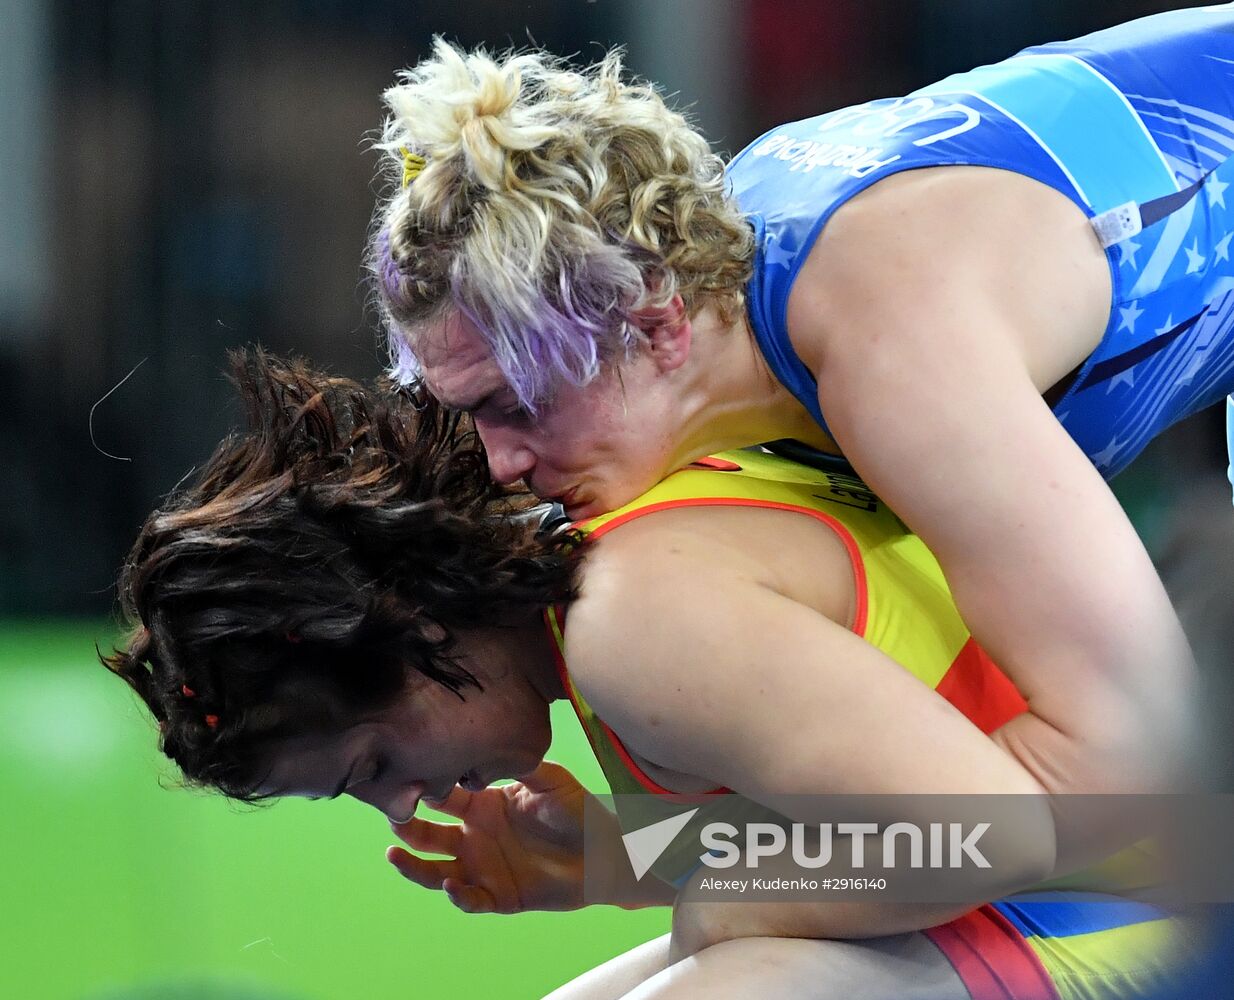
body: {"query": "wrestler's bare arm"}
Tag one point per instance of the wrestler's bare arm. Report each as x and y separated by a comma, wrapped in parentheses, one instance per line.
(695, 657)
(934, 314)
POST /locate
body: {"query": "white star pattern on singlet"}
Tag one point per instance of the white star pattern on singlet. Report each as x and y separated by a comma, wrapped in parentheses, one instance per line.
(1105, 457)
(1215, 189)
(1195, 365)
(1195, 259)
(1130, 314)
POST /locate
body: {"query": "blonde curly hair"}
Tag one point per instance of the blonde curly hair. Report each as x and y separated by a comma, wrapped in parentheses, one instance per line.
(552, 204)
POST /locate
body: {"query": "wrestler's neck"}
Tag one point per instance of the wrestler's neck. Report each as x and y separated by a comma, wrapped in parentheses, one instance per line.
(728, 398)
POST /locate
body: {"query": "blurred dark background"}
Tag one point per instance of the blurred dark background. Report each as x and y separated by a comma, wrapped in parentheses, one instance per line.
(183, 176)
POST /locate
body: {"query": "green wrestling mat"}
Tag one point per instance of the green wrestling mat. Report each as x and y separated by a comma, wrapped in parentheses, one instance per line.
(114, 887)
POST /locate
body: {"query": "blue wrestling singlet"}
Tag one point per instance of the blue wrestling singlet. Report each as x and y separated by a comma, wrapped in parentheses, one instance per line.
(1135, 124)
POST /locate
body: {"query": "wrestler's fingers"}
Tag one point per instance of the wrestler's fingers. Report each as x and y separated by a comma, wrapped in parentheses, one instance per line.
(431, 838)
(469, 898)
(430, 874)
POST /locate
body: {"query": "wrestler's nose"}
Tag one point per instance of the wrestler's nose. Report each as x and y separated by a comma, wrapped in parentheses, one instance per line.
(509, 457)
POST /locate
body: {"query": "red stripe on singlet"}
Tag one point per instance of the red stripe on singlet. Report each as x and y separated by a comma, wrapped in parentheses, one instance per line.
(637, 773)
(992, 958)
(975, 685)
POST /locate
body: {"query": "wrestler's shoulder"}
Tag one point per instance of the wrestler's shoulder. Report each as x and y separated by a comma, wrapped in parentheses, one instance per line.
(676, 568)
(688, 541)
(953, 210)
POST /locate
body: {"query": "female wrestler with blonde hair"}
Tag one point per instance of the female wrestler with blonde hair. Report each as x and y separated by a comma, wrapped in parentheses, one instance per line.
(988, 294)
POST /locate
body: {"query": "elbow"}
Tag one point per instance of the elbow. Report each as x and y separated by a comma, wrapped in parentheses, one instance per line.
(1140, 723)
(1109, 741)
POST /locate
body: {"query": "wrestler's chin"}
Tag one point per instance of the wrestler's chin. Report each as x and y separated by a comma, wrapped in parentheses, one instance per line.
(521, 764)
(523, 775)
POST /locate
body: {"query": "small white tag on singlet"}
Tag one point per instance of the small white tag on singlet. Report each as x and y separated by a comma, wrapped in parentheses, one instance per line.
(1118, 224)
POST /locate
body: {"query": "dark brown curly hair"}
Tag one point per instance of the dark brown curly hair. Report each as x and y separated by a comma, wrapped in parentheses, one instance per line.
(333, 546)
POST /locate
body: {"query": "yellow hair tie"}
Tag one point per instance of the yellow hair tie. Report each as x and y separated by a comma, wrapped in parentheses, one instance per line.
(413, 164)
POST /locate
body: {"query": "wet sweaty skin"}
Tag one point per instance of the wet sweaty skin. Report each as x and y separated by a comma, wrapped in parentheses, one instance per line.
(591, 448)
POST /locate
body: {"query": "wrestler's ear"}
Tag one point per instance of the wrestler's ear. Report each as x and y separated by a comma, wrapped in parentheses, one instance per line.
(668, 331)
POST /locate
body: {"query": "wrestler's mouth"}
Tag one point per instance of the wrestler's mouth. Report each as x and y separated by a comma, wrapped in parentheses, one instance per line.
(435, 798)
(474, 781)
(567, 499)
(578, 504)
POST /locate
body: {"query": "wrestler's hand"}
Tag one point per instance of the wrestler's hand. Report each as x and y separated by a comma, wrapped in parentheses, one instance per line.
(519, 846)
